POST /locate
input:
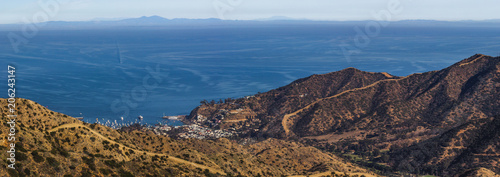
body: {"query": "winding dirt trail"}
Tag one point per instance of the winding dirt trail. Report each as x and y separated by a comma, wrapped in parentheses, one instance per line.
(235, 120)
(336, 172)
(175, 159)
(286, 119)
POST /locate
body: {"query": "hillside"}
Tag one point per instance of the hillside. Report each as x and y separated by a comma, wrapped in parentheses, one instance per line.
(372, 117)
(479, 172)
(54, 144)
(439, 99)
(263, 111)
(471, 145)
(442, 123)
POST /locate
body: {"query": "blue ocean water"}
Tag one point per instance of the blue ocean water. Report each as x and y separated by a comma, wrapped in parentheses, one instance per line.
(110, 73)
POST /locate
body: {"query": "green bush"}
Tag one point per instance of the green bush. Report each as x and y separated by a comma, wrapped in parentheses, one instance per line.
(21, 156)
(27, 171)
(36, 157)
(105, 171)
(63, 152)
(86, 173)
(124, 173)
(89, 162)
(12, 172)
(52, 162)
(113, 163)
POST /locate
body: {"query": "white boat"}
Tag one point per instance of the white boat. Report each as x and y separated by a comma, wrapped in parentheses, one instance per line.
(170, 117)
(174, 117)
(140, 117)
(121, 118)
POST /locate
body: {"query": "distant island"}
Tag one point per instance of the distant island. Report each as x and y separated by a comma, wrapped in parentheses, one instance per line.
(158, 21)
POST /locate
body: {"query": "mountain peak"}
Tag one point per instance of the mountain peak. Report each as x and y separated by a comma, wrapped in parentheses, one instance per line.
(276, 18)
(474, 58)
(151, 17)
(351, 69)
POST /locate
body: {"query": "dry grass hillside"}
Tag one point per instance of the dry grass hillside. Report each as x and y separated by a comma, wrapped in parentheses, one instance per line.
(479, 172)
(54, 144)
(475, 144)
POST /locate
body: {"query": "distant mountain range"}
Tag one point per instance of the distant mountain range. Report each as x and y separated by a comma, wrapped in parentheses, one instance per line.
(157, 21)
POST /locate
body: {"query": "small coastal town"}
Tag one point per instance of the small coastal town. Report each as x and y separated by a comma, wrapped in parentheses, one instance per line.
(197, 129)
(225, 123)
(191, 131)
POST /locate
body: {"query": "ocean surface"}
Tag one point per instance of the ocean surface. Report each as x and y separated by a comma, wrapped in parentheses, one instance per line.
(127, 72)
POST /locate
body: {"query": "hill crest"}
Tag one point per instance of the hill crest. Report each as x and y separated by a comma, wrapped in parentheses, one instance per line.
(377, 110)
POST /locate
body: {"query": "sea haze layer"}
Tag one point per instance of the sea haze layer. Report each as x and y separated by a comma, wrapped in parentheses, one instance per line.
(99, 72)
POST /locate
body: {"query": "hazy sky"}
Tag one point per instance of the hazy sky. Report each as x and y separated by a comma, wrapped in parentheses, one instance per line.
(14, 11)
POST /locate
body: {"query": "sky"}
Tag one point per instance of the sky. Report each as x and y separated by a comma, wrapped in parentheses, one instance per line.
(21, 11)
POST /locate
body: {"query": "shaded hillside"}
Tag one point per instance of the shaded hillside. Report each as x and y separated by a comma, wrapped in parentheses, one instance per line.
(439, 99)
(471, 145)
(267, 108)
(350, 100)
(53, 144)
(362, 114)
(479, 172)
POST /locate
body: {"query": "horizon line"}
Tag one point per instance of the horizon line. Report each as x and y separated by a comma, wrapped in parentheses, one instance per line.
(283, 18)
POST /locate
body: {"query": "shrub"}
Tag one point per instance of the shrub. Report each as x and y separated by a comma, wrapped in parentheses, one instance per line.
(63, 152)
(12, 172)
(89, 162)
(21, 156)
(27, 171)
(113, 163)
(124, 173)
(105, 171)
(52, 162)
(36, 157)
(86, 173)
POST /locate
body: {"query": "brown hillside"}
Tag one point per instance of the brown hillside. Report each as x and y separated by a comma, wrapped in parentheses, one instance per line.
(53, 144)
(480, 172)
(361, 113)
(265, 111)
(444, 99)
(471, 145)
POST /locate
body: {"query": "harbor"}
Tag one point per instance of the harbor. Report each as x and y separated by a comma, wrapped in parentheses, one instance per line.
(172, 126)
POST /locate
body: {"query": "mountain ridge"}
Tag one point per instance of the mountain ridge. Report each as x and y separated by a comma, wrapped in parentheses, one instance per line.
(158, 21)
(373, 110)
